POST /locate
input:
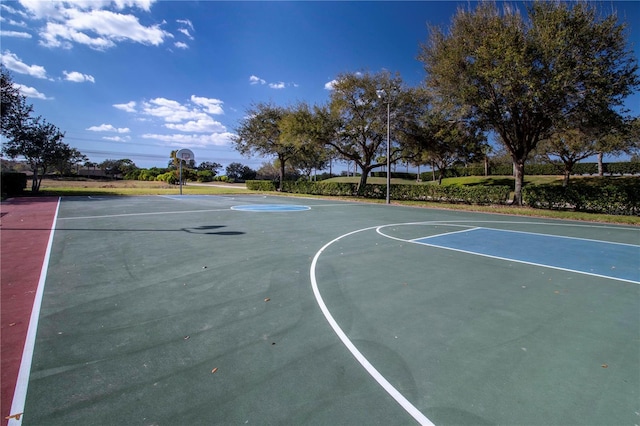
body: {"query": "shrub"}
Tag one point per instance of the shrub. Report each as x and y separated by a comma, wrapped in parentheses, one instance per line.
(169, 177)
(261, 185)
(450, 194)
(204, 176)
(621, 197)
(13, 183)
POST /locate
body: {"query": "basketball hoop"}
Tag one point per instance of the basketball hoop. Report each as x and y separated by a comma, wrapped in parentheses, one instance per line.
(184, 155)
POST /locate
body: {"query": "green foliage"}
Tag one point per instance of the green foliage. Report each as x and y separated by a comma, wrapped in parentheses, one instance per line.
(260, 185)
(522, 74)
(449, 194)
(237, 172)
(204, 175)
(169, 177)
(13, 183)
(118, 167)
(621, 196)
(149, 174)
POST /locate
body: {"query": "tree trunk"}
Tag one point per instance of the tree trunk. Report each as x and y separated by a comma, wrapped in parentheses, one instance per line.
(34, 182)
(518, 169)
(363, 181)
(486, 165)
(281, 174)
(600, 166)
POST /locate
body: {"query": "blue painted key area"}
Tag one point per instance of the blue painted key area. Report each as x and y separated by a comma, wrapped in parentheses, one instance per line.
(618, 261)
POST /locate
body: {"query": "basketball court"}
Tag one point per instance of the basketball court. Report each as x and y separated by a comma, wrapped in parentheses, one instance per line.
(255, 309)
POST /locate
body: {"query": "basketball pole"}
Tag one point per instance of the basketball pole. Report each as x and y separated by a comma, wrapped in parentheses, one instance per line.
(180, 176)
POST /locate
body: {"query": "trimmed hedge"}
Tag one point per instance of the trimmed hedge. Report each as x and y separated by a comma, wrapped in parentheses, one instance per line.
(621, 198)
(261, 185)
(449, 194)
(13, 183)
(619, 168)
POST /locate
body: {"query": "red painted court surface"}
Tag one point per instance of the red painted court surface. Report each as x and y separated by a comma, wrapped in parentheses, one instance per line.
(265, 310)
(24, 230)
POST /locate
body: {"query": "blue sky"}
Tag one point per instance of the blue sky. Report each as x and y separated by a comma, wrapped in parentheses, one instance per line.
(138, 78)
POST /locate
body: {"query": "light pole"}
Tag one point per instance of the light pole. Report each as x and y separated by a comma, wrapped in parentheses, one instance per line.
(388, 152)
(388, 96)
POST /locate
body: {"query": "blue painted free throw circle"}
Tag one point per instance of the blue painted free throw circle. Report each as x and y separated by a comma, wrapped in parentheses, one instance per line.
(270, 208)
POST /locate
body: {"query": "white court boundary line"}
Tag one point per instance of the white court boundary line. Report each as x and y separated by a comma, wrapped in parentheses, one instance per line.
(388, 387)
(22, 383)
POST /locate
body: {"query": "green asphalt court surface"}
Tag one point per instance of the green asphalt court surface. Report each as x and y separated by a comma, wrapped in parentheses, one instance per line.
(167, 310)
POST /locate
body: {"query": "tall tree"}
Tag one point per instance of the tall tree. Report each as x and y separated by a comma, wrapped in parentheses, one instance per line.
(14, 107)
(582, 137)
(260, 133)
(117, 167)
(302, 127)
(40, 143)
(519, 76)
(213, 167)
(358, 108)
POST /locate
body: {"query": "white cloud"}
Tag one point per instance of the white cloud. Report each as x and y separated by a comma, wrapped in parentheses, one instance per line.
(169, 110)
(91, 23)
(128, 107)
(185, 22)
(17, 34)
(213, 106)
(117, 138)
(202, 125)
(13, 11)
(185, 32)
(108, 128)
(192, 118)
(191, 140)
(78, 77)
(255, 80)
(181, 45)
(30, 92)
(330, 85)
(12, 62)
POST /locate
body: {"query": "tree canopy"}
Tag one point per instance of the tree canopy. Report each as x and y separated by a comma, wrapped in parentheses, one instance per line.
(519, 76)
(33, 138)
(260, 133)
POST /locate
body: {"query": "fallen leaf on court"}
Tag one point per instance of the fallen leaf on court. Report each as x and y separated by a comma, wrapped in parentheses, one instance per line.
(267, 299)
(14, 416)
(556, 292)
(214, 370)
(604, 365)
(204, 267)
(186, 337)
(12, 324)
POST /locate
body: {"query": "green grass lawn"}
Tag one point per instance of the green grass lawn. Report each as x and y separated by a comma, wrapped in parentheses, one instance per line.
(70, 187)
